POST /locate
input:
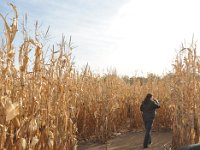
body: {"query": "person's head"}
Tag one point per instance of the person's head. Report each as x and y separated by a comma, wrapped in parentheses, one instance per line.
(148, 97)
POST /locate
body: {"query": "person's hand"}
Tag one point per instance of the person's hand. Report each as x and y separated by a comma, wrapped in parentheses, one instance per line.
(156, 100)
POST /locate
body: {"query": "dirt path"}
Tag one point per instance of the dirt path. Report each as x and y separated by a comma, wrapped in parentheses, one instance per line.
(131, 141)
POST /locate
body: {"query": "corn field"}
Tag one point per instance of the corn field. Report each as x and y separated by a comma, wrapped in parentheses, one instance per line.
(51, 105)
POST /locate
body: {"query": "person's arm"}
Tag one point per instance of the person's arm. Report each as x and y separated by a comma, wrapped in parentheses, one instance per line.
(156, 104)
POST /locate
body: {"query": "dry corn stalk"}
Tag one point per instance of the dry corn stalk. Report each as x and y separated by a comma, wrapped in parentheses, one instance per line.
(43, 105)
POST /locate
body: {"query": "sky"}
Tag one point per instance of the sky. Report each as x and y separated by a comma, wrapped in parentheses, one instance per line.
(135, 37)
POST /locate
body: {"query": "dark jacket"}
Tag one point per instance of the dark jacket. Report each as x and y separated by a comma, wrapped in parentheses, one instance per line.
(149, 109)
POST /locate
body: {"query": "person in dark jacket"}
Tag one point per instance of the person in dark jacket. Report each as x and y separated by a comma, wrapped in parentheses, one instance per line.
(148, 108)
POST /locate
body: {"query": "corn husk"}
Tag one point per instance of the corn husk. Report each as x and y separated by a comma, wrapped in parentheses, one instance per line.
(16, 122)
(22, 144)
(12, 110)
(34, 141)
(33, 126)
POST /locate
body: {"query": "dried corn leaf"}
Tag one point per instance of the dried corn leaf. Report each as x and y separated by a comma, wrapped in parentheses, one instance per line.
(12, 110)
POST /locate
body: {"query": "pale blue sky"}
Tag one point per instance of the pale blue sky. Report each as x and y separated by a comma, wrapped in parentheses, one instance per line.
(133, 36)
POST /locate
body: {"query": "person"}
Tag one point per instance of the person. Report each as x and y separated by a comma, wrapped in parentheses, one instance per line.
(148, 108)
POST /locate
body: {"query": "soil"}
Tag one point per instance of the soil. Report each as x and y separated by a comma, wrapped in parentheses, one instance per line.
(131, 141)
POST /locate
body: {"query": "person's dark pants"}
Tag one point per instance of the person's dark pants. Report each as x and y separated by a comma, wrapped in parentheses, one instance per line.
(147, 137)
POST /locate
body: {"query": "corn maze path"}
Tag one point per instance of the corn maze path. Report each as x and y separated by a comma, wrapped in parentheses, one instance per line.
(131, 141)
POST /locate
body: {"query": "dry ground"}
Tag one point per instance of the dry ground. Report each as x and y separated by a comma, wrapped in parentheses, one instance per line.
(131, 141)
